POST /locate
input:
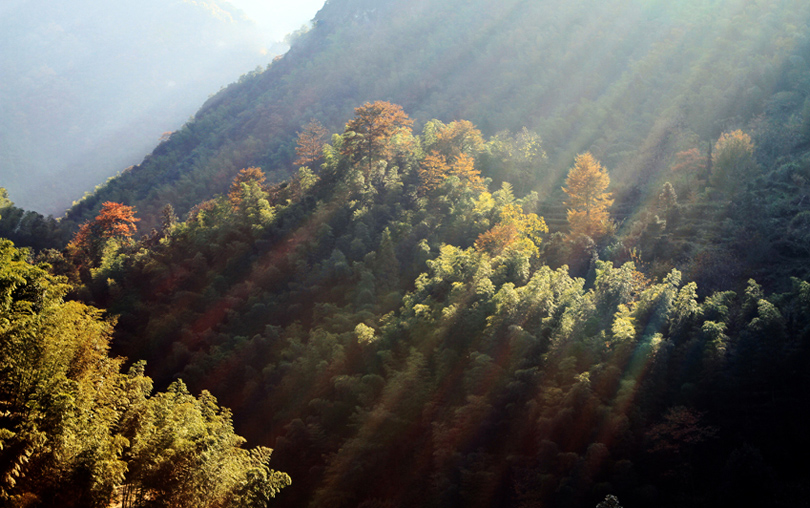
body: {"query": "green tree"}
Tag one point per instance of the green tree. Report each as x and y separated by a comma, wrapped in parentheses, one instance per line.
(733, 164)
(74, 429)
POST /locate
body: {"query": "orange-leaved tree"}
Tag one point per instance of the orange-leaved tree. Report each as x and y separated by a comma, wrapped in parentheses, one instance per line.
(588, 202)
(464, 168)
(368, 135)
(453, 148)
(432, 172)
(457, 138)
(435, 169)
(114, 220)
(245, 176)
(310, 143)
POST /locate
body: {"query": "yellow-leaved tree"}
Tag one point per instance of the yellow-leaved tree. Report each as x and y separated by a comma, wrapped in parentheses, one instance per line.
(588, 202)
(516, 230)
(734, 164)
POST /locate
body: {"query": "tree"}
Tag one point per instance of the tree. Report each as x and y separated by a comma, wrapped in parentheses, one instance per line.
(184, 452)
(245, 176)
(435, 169)
(115, 220)
(667, 198)
(733, 163)
(168, 219)
(310, 143)
(453, 149)
(432, 172)
(457, 138)
(588, 202)
(689, 166)
(518, 230)
(496, 239)
(464, 168)
(668, 202)
(250, 199)
(368, 135)
(74, 429)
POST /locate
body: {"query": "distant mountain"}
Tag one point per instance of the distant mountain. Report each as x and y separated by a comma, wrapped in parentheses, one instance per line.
(90, 86)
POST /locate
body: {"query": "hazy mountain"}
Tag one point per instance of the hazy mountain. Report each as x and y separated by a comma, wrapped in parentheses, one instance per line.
(89, 86)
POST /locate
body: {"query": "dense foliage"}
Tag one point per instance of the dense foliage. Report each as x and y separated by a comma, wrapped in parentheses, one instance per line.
(441, 312)
(632, 83)
(76, 431)
(403, 344)
(32, 229)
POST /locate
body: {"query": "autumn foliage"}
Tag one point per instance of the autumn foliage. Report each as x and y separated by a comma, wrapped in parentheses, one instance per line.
(368, 135)
(310, 143)
(515, 230)
(114, 220)
(452, 153)
(457, 138)
(245, 176)
(587, 200)
(497, 239)
(435, 170)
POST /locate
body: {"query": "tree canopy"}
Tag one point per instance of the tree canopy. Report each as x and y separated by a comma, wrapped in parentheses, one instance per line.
(76, 431)
(588, 202)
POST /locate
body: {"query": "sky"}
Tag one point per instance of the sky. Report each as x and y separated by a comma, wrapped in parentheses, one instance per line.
(279, 17)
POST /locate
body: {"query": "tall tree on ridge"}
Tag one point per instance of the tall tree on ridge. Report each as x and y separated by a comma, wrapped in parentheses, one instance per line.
(368, 134)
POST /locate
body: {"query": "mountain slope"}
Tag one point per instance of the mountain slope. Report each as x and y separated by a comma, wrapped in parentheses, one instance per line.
(89, 88)
(405, 331)
(631, 82)
(404, 336)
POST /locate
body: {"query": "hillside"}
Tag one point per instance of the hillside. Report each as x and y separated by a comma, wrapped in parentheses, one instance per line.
(404, 333)
(497, 254)
(632, 83)
(90, 87)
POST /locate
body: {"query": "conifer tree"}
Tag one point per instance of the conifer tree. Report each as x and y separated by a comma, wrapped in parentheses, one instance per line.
(587, 200)
(310, 143)
(245, 176)
(368, 134)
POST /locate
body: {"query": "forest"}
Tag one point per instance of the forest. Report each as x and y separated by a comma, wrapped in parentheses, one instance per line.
(500, 291)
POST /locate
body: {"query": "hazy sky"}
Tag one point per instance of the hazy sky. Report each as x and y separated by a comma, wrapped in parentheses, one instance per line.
(279, 17)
